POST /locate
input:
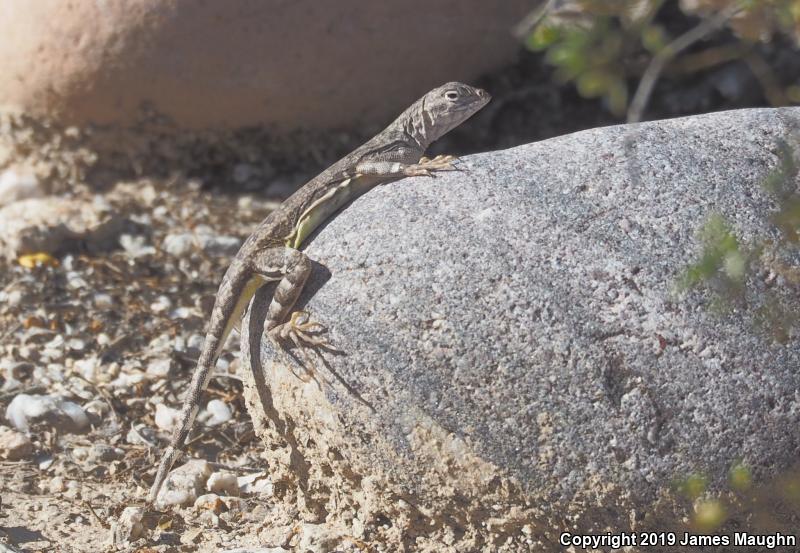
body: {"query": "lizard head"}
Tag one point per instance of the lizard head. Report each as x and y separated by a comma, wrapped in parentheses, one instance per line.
(449, 105)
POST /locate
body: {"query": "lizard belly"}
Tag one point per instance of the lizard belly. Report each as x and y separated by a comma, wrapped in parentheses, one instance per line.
(328, 204)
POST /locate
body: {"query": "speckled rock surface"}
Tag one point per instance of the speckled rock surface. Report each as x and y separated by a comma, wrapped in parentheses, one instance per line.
(241, 63)
(514, 353)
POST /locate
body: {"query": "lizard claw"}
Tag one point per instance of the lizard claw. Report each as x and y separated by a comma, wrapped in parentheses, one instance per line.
(303, 333)
(426, 166)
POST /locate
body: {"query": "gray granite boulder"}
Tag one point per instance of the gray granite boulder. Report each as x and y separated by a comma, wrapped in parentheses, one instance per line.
(516, 361)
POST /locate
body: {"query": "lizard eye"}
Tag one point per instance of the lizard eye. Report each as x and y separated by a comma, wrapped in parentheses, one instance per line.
(451, 95)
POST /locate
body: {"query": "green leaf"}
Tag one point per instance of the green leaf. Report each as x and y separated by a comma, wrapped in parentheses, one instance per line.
(654, 38)
(693, 486)
(740, 477)
(542, 37)
(592, 84)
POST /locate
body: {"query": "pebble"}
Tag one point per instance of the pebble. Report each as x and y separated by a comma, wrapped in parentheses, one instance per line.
(17, 184)
(97, 454)
(103, 301)
(14, 373)
(97, 408)
(76, 282)
(12, 298)
(219, 245)
(178, 245)
(61, 414)
(234, 503)
(223, 482)
(14, 445)
(73, 490)
(128, 527)
(182, 313)
(204, 237)
(136, 246)
(256, 483)
(217, 412)
(56, 485)
(57, 223)
(166, 417)
(76, 345)
(210, 502)
(162, 304)
(317, 538)
(88, 368)
(128, 380)
(160, 367)
(184, 484)
(195, 341)
(142, 435)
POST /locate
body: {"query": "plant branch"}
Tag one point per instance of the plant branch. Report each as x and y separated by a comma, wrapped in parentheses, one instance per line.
(666, 54)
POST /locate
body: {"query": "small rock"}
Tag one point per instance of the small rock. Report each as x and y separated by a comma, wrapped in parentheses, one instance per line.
(18, 184)
(76, 282)
(162, 304)
(234, 503)
(89, 368)
(103, 301)
(244, 203)
(136, 246)
(219, 245)
(128, 527)
(56, 485)
(210, 502)
(191, 536)
(160, 368)
(36, 225)
(276, 534)
(45, 461)
(104, 453)
(73, 489)
(178, 245)
(357, 528)
(12, 298)
(14, 445)
(223, 482)
(76, 345)
(128, 380)
(184, 484)
(217, 412)
(66, 416)
(166, 417)
(195, 342)
(256, 483)
(141, 436)
(318, 538)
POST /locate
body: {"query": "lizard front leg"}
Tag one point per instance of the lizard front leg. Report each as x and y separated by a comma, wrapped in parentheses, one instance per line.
(425, 167)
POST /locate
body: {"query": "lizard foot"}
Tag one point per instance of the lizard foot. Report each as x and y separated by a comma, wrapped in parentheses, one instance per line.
(426, 166)
(303, 333)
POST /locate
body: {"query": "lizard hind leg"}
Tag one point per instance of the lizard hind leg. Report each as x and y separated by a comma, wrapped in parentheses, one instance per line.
(303, 333)
(299, 329)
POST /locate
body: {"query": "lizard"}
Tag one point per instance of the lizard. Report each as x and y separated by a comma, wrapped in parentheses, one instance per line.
(272, 252)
